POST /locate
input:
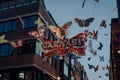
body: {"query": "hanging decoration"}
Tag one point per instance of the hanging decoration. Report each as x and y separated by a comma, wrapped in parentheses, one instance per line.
(2, 39)
(100, 46)
(16, 44)
(103, 24)
(97, 1)
(101, 58)
(84, 22)
(61, 32)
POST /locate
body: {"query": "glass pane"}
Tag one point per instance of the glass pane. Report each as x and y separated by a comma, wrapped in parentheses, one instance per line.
(4, 50)
(10, 50)
(1, 27)
(7, 26)
(14, 25)
(32, 21)
(25, 23)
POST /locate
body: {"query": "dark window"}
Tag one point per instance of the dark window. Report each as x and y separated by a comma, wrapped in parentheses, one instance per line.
(28, 47)
(26, 20)
(6, 50)
(14, 25)
(32, 21)
(7, 26)
(1, 27)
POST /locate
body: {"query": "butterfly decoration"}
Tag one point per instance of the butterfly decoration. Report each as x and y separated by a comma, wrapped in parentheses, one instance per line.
(100, 46)
(97, 1)
(99, 76)
(39, 23)
(103, 68)
(61, 32)
(106, 74)
(2, 39)
(105, 34)
(89, 58)
(87, 33)
(95, 34)
(38, 34)
(90, 66)
(84, 22)
(96, 68)
(16, 44)
(103, 24)
(101, 58)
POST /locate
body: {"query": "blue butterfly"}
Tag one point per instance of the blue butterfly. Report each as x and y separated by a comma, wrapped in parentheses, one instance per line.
(101, 58)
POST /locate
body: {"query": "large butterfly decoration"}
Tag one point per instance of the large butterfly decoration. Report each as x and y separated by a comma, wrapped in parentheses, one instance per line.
(84, 22)
(16, 44)
(2, 39)
(37, 34)
(61, 32)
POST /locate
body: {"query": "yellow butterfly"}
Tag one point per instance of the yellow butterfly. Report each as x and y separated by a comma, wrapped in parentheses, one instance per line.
(2, 39)
(61, 32)
(39, 23)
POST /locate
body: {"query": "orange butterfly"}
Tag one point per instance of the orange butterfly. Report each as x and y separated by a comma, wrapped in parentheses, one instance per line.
(19, 43)
(61, 32)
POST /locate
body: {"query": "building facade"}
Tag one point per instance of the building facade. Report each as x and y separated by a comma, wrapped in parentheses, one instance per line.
(115, 50)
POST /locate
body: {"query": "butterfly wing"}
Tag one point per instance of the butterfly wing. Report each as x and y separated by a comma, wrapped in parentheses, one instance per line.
(100, 46)
(67, 25)
(79, 22)
(95, 34)
(88, 21)
(96, 68)
(90, 66)
(2, 39)
(57, 30)
(34, 34)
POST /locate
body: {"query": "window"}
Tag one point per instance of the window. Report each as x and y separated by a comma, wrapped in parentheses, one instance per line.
(32, 21)
(7, 26)
(1, 27)
(29, 22)
(29, 47)
(25, 22)
(6, 50)
(14, 25)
